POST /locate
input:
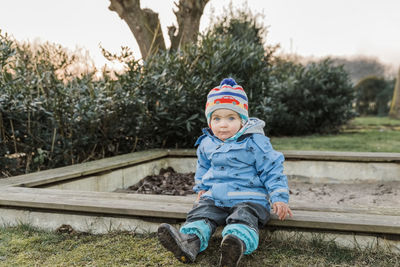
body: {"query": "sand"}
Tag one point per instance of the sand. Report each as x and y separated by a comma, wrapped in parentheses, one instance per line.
(378, 194)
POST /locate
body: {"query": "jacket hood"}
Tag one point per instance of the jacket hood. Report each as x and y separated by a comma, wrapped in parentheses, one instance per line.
(253, 125)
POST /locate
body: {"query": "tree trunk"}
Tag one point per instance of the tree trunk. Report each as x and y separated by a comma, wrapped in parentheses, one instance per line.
(395, 105)
(188, 17)
(143, 23)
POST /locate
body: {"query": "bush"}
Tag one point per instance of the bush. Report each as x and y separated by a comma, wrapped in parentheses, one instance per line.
(373, 96)
(50, 117)
(316, 98)
(173, 85)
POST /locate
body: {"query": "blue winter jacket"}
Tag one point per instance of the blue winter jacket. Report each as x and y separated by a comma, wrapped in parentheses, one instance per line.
(247, 169)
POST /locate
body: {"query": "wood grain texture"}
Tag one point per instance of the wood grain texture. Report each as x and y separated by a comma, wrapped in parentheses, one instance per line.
(83, 169)
(176, 207)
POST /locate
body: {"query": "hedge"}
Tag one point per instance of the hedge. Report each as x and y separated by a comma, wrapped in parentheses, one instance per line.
(50, 117)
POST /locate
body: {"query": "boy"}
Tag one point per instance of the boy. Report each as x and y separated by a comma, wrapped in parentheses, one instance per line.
(238, 175)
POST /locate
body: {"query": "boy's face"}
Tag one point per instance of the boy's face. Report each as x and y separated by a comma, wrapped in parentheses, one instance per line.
(225, 123)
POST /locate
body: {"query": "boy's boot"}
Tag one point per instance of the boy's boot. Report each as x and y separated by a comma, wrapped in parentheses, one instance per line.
(232, 249)
(185, 247)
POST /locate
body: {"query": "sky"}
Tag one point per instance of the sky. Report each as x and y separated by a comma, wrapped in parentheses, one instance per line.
(315, 28)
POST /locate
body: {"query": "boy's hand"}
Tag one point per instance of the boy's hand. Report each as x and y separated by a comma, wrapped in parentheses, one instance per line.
(281, 209)
(199, 195)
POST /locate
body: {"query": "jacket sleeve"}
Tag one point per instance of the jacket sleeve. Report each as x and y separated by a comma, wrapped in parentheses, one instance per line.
(269, 164)
(203, 164)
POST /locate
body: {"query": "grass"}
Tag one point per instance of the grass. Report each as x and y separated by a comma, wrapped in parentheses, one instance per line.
(364, 134)
(26, 246)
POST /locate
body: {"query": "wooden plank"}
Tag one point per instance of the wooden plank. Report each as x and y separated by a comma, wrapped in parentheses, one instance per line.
(83, 169)
(167, 207)
(342, 156)
(177, 200)
(182, 152)
(367, 223)
(362, 209)
(84, 203)
(100, 195)
(317, 155)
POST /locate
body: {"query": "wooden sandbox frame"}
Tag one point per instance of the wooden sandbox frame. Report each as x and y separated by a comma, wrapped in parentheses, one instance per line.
(82, 196)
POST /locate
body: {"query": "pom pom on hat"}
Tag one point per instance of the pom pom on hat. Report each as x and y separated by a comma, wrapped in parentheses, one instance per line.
(228, 81)
(228, 95)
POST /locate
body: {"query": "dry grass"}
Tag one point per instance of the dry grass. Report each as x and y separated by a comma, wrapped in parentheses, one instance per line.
(26, 246)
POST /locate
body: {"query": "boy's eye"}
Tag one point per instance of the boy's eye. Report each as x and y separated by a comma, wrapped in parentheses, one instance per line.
(232, 118)
(216, 119)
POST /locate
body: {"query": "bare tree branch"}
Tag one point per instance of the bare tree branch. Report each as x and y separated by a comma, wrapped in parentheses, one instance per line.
(188, 17)
(143, 23)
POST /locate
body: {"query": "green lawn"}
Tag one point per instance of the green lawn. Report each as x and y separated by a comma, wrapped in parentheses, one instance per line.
(366, 134)
(24, 246)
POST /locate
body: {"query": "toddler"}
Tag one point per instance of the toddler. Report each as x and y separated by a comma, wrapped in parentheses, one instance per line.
(239, 177)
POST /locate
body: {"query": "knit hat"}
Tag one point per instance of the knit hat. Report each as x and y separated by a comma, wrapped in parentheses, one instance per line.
(227, 95)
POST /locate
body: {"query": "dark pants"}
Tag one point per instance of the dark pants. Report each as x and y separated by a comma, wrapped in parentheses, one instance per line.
(251, 214)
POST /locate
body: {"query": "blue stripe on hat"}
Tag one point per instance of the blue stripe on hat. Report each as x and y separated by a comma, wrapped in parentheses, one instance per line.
(228, 93)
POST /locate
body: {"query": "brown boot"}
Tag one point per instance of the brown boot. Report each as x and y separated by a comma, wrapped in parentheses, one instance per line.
(185, 247)
(232, 250)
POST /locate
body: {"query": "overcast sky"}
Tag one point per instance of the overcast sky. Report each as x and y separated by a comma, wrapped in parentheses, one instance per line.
(306, 27)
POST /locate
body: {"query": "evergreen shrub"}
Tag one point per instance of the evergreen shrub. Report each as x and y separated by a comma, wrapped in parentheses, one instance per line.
(373, 96)
(51, 118)
(316, 98)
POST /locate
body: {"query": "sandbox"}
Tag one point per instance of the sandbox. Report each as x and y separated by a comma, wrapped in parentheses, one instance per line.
(82, 196)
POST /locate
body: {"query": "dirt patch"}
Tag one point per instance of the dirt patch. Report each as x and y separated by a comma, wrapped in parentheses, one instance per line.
(379, 194)
(168, 182)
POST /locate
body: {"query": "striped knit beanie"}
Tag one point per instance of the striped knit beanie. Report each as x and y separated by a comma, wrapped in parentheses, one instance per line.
(227, 95)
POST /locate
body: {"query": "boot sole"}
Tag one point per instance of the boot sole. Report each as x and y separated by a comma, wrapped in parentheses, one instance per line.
(169, 241)
(231, 252)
